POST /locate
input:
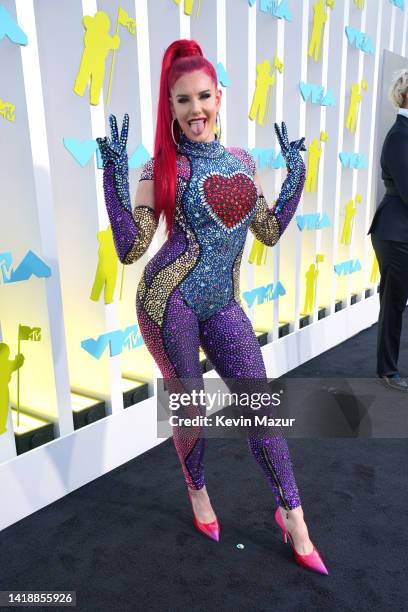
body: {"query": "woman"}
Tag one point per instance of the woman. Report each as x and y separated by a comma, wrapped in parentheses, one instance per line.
(389, 237)
(189, 293)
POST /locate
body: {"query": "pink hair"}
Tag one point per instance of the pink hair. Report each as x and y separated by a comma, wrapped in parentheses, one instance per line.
(181, 57)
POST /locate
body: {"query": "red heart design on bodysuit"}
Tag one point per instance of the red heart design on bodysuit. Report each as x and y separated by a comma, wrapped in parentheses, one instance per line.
(231, 198)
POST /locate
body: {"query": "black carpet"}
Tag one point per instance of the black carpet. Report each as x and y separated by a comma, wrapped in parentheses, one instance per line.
(126, 542)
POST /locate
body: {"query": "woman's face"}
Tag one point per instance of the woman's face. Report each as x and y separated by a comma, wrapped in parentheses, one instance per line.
(194, 102)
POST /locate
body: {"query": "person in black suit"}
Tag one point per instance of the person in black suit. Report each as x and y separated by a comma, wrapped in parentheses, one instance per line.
(389, 236)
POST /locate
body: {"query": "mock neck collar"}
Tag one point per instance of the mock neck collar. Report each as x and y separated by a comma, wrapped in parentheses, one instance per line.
(200, 149)
(403, 112)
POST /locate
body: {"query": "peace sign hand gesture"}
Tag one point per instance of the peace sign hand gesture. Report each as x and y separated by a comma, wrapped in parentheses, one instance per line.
(113, 149)
(290, 150)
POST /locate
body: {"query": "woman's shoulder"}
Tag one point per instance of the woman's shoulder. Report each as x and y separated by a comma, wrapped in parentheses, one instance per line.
(183, 168)
(245, 157)
(147, 170)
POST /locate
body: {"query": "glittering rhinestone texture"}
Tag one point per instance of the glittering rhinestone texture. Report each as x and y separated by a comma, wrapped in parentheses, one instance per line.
(124, 230)
(218, 204)
(290, 195)
(230, 343)
(189, 297)
(229, 198)
(268, 224)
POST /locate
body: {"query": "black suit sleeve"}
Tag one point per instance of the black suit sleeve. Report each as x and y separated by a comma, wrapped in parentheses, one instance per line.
(396, 162)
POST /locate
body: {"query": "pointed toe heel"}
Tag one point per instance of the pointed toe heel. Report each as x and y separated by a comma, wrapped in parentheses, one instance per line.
(211, 530)
(312, 561)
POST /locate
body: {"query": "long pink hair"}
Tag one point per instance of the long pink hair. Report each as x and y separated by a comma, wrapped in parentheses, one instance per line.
(181, 57)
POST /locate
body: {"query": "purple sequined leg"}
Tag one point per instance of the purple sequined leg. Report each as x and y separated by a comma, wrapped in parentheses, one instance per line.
(230, 342)
(175, 348)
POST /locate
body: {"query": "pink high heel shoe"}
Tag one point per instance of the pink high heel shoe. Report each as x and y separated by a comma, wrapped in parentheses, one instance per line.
(211, 530)
(311, 561)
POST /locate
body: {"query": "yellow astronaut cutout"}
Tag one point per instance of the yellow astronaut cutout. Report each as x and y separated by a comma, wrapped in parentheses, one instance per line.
(7, 367)
(311, 284)
(314, 153)
(97, 44)
(349, 221)
(188, 6)
(319, 19)
(264, 81)
(354, 105)
(107, 270)
(375, 270)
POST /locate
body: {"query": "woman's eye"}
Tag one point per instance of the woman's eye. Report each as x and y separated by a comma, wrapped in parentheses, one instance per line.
(182, 100)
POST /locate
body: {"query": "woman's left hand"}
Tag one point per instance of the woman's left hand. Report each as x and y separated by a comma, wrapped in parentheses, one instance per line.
(290, 150)
(113, 149)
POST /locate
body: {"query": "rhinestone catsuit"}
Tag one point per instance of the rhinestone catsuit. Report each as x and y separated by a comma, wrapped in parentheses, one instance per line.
(188, 295)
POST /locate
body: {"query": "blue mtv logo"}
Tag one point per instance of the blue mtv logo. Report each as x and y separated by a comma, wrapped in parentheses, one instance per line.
(31, 265)
(116, 341)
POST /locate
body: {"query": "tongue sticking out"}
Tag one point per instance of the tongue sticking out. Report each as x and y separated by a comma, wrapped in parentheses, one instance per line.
(197, 127)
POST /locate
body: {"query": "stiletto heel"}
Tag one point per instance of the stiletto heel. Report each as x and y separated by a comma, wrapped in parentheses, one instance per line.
(211, 530)
(312, 561)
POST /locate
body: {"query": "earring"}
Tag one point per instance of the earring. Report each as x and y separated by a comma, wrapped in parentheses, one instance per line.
(218, 120)
(172, 132)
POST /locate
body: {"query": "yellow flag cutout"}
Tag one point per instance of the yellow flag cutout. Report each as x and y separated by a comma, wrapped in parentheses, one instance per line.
(25, 333)
(126, 21)
(29, 333)
(278, 64)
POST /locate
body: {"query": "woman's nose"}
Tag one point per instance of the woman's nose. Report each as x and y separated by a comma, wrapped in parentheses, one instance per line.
(196, 106)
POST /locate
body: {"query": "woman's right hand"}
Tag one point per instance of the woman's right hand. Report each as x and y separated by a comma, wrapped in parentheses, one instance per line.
(113, 149)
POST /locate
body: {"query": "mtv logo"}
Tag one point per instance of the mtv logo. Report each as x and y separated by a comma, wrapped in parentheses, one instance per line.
(134, 339)
(35, 334)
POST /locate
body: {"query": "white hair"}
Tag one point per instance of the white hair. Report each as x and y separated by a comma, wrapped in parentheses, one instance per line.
(398, 88)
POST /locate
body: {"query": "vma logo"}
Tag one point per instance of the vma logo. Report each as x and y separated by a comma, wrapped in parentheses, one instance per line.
(280, 10)
(267, 292)
(312, 221)
(347, 267)
(399, 4)
(353, 160)
(268, 158)
(31, 265)
(316, 94)
(10, 28)
(116, 341)
(359, 40)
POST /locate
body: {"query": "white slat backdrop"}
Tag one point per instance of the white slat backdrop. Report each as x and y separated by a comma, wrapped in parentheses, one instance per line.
(54, 207)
